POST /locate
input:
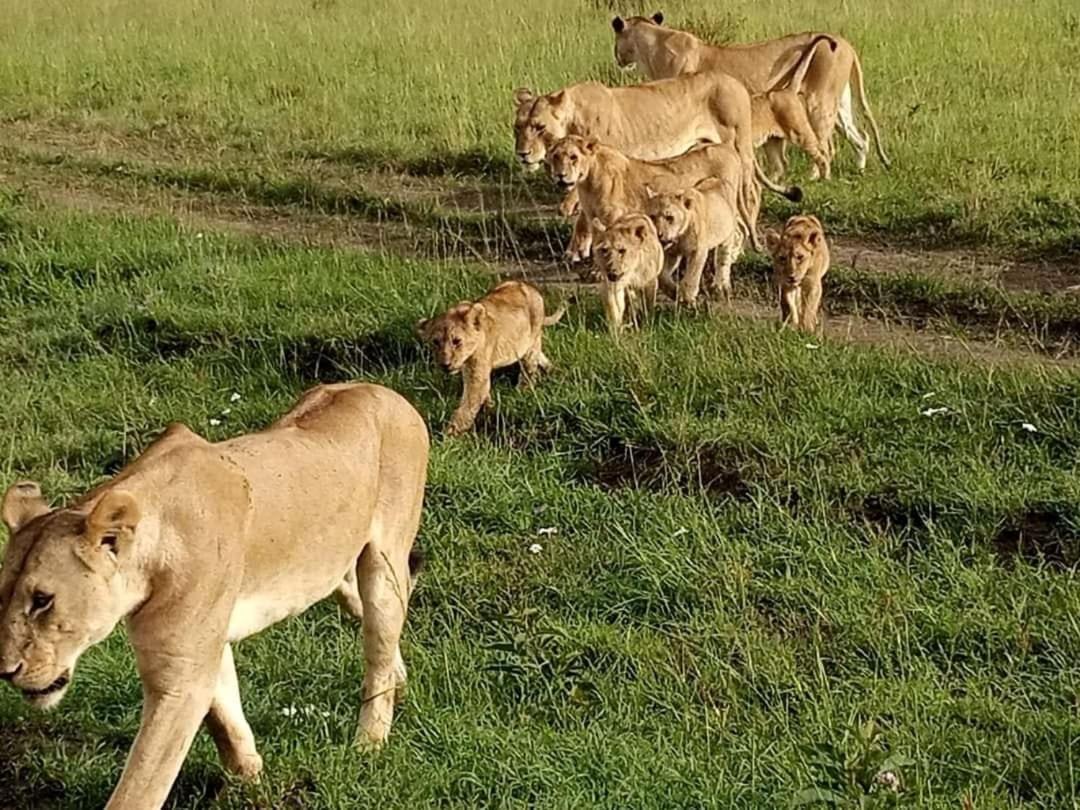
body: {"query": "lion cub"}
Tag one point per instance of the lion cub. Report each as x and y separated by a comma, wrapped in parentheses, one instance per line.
(690, 223)
(800, 261)
(502, 328)
(629, 260)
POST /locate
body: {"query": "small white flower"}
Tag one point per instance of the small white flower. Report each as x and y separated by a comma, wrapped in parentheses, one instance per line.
(888, 780)
(226, 411)
(215, 422)
(934, 411)
(812, 346)
(235, 396)
(547, 531)
(1030, 428)
(535, 548)
(289, 711)
(199, 235)
(928, 394)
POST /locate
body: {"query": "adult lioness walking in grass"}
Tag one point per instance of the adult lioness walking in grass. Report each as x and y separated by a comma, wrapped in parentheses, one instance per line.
(201, 545)
(834, 75)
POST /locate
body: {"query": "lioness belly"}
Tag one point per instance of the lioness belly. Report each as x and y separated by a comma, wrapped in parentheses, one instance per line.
(253, 614)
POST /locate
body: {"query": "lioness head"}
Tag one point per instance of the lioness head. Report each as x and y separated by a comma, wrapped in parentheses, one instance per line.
(629, 34)
(61, 589)
(455, 335)
(795, 249)
(538, 122)
(670, 213)
(620, 249)
(569, 160)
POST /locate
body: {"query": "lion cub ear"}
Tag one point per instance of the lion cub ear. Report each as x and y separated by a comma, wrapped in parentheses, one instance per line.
(421, 327)
(658, 18)
(110, 530)
(22, 503)
(772, 241)
(476, 315)
(558, 98)
(591, 146)
(597, 226)
(650, 194)
(813, 238)
(639, 233)
(522, 96)
(687, 201)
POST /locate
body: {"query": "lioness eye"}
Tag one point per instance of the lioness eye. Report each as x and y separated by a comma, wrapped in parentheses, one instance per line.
(40, 602)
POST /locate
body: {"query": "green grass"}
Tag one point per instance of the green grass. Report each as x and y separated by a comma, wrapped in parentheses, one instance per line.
(759, 545)
(978, 100)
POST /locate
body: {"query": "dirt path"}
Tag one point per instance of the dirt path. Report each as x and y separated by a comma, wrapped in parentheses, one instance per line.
(37, 163)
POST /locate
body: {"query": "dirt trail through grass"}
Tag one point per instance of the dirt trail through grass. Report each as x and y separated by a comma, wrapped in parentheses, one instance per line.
(506, 224)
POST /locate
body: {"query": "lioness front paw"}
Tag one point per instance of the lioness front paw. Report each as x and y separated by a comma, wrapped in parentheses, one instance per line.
(455, 428)
(369, 740)
(569, 208)
(246, 768)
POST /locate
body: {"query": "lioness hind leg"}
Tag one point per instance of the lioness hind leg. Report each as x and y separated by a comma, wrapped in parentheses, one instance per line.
(228, 727)
(856, 137)
(384, 587)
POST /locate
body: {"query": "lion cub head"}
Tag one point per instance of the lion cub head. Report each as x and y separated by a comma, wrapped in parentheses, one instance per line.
(569, 160)
(795, 251)
(624, 248)
(455, 335)
(539, 121)
(671, 213)
(62, 587)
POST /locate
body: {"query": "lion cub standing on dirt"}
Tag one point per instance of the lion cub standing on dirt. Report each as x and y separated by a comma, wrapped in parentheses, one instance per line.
(690, 223)
(629, 260)
(800, 261)
(502, 328)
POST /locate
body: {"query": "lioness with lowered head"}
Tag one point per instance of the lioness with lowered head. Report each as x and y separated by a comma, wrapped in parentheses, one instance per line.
(800, 257)
(661, 52)
(690, 223)
(650, 121)
(504, 327)
(629, 260)
(201, 545)
(611, 185)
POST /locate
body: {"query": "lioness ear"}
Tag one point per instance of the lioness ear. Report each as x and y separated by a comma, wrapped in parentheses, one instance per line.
(618, 25)
(22, 503)
(523, 96)
(110, 528)
(557, 99)
(476, 313)
(658, 18)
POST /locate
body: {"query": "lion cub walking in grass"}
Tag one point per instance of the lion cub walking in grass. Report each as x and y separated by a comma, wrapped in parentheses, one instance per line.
(502, 328)
(629, 260)
(690, 224)
(800, 257)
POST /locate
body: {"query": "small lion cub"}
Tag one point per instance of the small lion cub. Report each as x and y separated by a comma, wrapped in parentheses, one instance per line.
(800, 261)
(629, 260)
(502, 328)
(690, 223)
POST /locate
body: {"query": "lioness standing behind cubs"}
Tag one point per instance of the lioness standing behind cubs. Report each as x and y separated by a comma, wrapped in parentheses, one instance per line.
(504, 327)
(800, 261)
(690, 224)
(661, 52)
(629, 260)
(201, 545)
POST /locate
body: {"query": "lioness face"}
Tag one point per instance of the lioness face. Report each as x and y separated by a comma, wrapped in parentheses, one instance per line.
(569, 161)
(539, 123)
(670, 214)
(454, 336)
(620, 249)
(59, 595)
(628, 37)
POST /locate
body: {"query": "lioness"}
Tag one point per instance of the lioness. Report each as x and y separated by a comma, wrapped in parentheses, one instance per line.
(629, 260)
(690, 223)
(611, 185)
(504, 327)
(661, 52)
(780, 116)
(648, 121)
(201, 545)
(800, 257)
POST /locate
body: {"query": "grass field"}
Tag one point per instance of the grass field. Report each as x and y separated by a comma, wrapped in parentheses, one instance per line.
(770, 566)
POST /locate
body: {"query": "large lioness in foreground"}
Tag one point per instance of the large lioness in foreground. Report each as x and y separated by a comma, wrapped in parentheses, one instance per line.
(661, 52)
(504, 327)
(650, 121)
(200, 545)
(611, 185)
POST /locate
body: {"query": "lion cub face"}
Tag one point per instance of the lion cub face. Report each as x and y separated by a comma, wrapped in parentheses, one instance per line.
(623, 248)
(569, 160)
(455, 335)
(795, 250)
(670, 214)
(538, 122)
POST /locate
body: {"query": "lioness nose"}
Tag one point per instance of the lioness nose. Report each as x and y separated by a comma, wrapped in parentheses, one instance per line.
(7, 676)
